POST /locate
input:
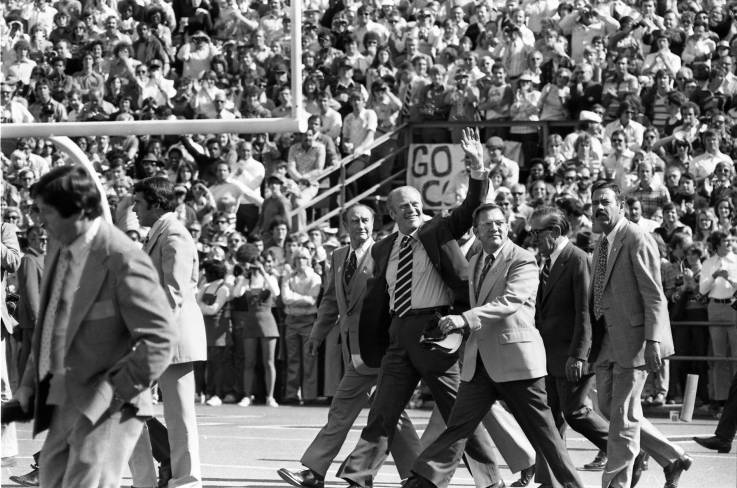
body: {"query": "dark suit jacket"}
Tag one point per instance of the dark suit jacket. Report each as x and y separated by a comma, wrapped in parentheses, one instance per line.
(439, 238)
(120, 335)
(562, 310)
(30, 274)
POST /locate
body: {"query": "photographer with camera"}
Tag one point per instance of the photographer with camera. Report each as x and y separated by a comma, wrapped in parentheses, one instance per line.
(45, 108)
(253, 296)
(583, 24)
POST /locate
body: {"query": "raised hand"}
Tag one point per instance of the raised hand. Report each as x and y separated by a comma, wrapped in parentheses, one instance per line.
(471, 145)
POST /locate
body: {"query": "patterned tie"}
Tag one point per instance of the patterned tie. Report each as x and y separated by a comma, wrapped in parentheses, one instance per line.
(403, 287)
(404, 112)
(54, 310)
(599, 273)
(545, 273)
(487, 265)
(350, 267)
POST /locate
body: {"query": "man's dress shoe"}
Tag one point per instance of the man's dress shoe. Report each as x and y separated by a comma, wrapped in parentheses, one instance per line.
(302, 479)
(674, 470)
(525, 476)
(28, 479)
(714, 443)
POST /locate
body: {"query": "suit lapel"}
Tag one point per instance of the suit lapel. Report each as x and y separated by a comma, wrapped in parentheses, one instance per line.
(151, 241)
(383, 252)
(613, 253)
(474, 265)
(556, 272)
(354, 284)
(340, 255)
(495, 273)
(92, 277)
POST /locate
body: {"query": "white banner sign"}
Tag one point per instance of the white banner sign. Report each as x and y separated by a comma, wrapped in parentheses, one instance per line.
(433, 170)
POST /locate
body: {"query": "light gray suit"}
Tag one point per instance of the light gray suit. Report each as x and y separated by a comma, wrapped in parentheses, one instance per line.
(634, 310)
(341, 306)
(504, 359)
(118, 341)
(174, 255)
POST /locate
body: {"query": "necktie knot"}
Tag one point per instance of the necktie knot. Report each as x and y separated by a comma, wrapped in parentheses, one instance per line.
(406, 241)
(350, 267)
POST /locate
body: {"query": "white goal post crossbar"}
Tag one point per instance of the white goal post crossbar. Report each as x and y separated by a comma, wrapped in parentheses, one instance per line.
(296, 123)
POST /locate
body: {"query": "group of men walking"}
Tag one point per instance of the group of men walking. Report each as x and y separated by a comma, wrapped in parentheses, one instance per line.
(535, 338)
(112, 321)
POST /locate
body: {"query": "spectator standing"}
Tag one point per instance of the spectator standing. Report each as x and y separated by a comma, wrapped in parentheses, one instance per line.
(299, 295)
(212, 298)
(254, 295)
(719, 283)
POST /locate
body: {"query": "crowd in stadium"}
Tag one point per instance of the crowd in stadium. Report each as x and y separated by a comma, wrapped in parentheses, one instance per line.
(647, 87)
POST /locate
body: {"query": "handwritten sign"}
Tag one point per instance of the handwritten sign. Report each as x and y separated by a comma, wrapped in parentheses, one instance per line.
(433, 170)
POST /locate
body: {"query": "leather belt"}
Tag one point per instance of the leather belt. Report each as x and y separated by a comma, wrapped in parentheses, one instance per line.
(424, 311)
(721, 300)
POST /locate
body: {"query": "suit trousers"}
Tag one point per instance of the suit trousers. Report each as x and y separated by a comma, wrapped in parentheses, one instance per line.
(406, 362)
(80, 454)
(504, 430)
(301, 366)
(723, 343)
(351, 396)
(177, 388)
(619, 392)
(570, 405)
(526, 400)
(727, 426)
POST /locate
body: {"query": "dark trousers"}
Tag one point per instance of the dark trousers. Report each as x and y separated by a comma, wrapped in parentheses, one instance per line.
(159, 437)
(405, 363)
(217, 375)
(569, 405)
(526, 400)
(691, 341)
(727, 426)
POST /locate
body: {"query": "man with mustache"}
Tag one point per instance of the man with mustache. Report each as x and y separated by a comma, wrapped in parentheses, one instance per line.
(630, 336)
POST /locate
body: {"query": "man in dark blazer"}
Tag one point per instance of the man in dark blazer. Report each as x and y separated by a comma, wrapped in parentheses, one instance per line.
(504, 357)
(630, 336)
(30, 274)
(419, 273)
(105, 334)
(562, 317)
(341, 304)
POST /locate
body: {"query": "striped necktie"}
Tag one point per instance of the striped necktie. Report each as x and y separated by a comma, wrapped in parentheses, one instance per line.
(403, 286)
(404, 112)
(599, 273)
(545, 272)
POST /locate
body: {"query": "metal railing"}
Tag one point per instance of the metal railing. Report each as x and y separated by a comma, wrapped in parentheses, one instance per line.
(345, 181)
(702, 323)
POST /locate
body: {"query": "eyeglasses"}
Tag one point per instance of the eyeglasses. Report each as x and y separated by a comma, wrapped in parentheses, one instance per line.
(221, 221)
(518, 193)
(569, 178)
(535, 232)
(13, 217)
(617, 140)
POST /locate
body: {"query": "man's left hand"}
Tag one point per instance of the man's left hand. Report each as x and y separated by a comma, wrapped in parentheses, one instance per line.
(449, 323)
(574, 369)
(653, 361)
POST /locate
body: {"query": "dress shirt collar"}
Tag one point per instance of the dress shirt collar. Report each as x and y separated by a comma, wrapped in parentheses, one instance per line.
(362, 249)
(82, 243)
(617, 228)
(558, 249)
(495, 254)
